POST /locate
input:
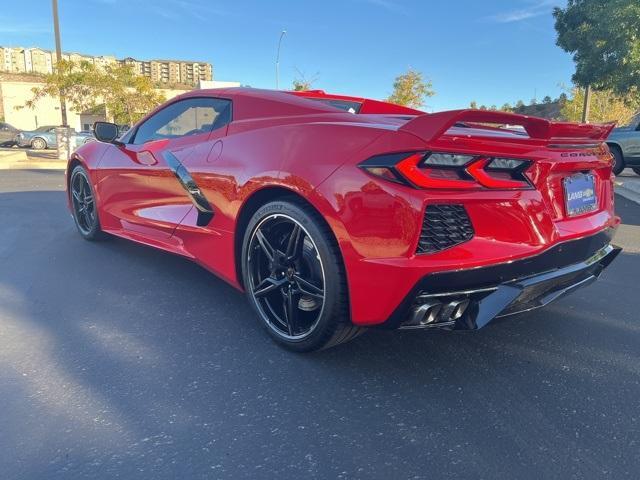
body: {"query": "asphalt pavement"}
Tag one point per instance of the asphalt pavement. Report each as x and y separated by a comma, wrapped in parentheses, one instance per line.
(118, 361)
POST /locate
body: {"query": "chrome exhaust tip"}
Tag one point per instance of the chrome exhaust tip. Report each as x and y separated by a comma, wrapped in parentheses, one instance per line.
(437, 313)
(426, 314)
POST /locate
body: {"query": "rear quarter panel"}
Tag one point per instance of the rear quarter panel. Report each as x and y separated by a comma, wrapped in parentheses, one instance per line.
(296, 157)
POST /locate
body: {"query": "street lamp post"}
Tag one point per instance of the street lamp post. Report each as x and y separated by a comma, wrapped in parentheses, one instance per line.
(62, 132)
(282, 34)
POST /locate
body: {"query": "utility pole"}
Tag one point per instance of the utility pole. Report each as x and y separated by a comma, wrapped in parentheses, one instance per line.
(62, 133)
(56, 31)
(282, 34)
(587, 104)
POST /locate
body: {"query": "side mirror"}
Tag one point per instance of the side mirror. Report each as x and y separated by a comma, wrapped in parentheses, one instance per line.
(106, 132)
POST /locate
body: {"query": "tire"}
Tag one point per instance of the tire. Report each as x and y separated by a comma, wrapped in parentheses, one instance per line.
(636, 170)
(618, 160)
(39, 143)
(292, 268)
(83, 205)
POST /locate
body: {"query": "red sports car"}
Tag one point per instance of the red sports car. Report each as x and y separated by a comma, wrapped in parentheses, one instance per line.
(336, 214)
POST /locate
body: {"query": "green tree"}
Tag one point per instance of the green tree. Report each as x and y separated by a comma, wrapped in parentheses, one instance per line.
(410, 89)
(506, 108)
(75, 81)
(547, 100)
(473, 104)
(606, 106)
(301, 85)
(126, 96)
(604, 38)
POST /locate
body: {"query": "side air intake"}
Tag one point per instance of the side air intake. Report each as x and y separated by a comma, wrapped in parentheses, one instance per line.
(444, 226)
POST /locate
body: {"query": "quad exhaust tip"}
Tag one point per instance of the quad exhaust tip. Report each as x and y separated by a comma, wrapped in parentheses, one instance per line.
(435, 313)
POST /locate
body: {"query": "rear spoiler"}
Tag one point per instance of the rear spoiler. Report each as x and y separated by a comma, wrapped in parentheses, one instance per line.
(432, 126)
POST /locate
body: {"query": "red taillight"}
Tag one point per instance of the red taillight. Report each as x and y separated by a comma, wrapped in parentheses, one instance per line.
(431, 177)
(449, 170)
(478, 171)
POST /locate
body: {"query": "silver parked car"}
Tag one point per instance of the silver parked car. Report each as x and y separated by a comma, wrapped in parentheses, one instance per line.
(45, 137)
(624, 143)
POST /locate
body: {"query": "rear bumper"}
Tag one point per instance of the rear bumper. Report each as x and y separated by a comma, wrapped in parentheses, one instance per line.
(469, 299)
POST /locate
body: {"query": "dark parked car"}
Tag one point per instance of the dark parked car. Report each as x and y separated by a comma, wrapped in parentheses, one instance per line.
(7, 134)
(45, 137)
(624, 143)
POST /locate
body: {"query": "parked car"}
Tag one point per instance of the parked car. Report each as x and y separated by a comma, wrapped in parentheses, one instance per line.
(7, 134)
(45, 137)
(338, 214)
(624, 143)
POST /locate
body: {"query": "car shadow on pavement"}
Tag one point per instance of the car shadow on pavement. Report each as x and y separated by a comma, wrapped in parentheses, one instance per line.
(117, 358)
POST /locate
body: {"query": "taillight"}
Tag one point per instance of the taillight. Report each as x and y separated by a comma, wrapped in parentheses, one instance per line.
(449, 170)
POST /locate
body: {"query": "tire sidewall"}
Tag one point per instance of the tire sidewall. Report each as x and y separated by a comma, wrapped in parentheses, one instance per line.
(95, 229)
(331, 310)
(618, 162)
(35, 141)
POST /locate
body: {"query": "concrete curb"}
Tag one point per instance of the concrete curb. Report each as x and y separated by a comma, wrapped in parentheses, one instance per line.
(629, 187)
(17, 159)
(33, 165)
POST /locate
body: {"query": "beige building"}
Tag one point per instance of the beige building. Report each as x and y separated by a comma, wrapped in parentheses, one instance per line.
(13, 60)
(37, 60)
(14, 94)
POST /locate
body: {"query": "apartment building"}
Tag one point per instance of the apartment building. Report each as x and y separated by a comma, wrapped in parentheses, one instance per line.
(37, 60)
(13, 60)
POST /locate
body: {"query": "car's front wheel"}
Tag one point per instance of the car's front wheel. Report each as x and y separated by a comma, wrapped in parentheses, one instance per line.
(83, 203)
(294, 277)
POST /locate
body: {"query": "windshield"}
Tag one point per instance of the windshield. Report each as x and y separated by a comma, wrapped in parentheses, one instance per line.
(44, 128)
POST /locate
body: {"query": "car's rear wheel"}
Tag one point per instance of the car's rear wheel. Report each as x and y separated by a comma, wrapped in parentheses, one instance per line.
(618, 160)
(636, 170)
(38, 144)
(83, 202)
(294, 277)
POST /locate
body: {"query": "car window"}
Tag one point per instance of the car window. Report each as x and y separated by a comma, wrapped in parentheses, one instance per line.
(191, 116)
(346, 105)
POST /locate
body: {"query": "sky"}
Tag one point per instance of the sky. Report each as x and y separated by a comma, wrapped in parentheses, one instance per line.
(490, 51)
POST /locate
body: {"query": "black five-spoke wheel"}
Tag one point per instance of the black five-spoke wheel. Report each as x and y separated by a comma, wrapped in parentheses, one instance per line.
(84, 204)
(286, 277)
(294, 277)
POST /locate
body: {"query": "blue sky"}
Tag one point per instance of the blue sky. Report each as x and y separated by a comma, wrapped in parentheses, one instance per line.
(491, 51)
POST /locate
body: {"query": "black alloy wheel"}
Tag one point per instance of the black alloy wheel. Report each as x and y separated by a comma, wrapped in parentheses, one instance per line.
(294, 277)
(84, 204)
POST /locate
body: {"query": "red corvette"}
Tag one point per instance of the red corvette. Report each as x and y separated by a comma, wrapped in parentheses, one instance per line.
(336, 214)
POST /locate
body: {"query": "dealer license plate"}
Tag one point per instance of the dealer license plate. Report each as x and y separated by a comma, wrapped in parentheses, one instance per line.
(580, 194)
